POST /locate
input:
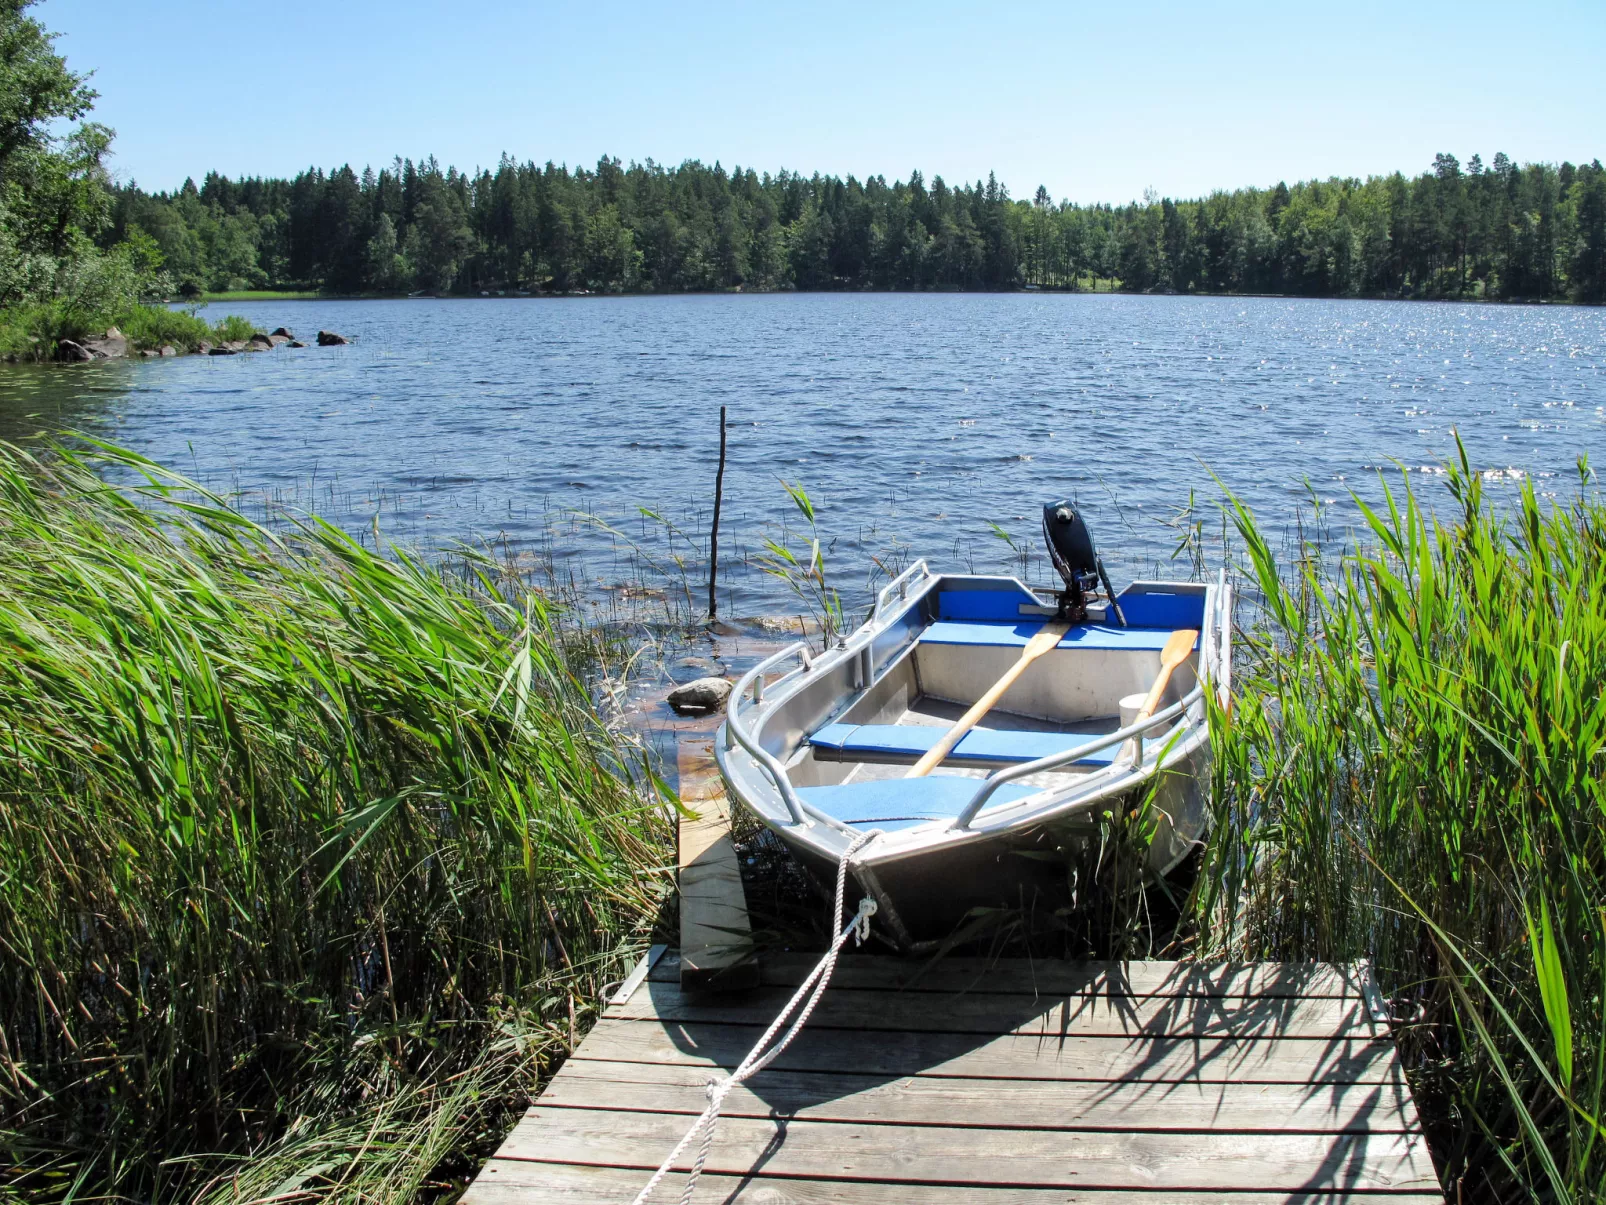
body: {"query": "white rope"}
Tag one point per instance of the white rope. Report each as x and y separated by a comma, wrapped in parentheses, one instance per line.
(808, 995)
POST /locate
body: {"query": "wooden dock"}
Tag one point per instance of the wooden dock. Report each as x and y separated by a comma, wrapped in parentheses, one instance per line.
(1003, 1082)
(1009, 1083)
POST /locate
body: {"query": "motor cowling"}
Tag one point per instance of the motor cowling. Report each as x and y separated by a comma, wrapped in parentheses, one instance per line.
(1071, 548)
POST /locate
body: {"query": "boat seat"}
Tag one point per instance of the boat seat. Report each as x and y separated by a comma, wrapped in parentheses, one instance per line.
(893, 803)
(1109, 637)
(979, 746)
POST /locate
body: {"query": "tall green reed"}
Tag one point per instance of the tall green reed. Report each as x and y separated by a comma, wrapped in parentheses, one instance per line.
(805, 574)
(295, 839)
(1413, 774)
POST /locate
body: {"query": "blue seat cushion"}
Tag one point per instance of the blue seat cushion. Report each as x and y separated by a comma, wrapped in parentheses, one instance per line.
(895, 803)
(1016, 635)
(854, 742)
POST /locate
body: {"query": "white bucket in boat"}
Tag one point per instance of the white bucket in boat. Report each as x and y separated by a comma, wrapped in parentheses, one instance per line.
(1131, 705)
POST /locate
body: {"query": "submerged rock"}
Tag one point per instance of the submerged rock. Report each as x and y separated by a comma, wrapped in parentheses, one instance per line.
(226, 349)
(701, 697)
(330, 339)
(295, 343)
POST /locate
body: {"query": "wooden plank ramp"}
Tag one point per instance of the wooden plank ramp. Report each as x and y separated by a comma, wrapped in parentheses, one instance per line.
(1003, 1082)
(716, 937)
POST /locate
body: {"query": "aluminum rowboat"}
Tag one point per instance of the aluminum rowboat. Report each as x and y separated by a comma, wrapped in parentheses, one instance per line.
(817, 746)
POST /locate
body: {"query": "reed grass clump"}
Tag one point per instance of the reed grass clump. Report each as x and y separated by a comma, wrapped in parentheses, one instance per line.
(1413, 774)
(309, 857)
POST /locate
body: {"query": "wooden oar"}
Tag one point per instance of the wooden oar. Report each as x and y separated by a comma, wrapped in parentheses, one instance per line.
(1039, 644)
(1176, 651)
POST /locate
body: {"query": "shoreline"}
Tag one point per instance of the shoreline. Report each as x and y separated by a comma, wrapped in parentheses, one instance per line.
(269, 295)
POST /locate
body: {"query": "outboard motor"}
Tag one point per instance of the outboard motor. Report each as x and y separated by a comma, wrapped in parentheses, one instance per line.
(1070, 547)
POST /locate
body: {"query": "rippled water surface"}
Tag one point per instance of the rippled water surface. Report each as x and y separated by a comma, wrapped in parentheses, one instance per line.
(914, 421)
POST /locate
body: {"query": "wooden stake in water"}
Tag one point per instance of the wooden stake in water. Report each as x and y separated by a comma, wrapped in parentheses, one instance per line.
(713, 534)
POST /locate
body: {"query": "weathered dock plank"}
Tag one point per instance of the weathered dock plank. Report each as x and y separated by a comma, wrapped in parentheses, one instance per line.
(889, 1052)
(996, 1103)
(518, 1183)
(988, 976)
(951, 1154)
(716, 939)
(999, 1013)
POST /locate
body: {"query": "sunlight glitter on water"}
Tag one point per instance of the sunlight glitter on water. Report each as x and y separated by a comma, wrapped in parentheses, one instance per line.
(915, 421)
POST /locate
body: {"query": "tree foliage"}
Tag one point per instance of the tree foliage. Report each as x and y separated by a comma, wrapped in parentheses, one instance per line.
(64, 270)
(1506, 231)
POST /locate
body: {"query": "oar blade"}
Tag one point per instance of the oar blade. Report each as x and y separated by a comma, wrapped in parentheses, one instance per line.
(1179, 647)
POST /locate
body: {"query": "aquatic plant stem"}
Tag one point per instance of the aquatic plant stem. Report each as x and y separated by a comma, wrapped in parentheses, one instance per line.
(713, 531)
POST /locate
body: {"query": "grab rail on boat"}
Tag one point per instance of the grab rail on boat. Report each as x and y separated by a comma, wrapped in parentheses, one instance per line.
(735, 731)
(1055, 760)
(900, 584)
(1224, 637)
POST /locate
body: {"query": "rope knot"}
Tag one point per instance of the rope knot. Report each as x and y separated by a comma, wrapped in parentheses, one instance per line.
(861, 922)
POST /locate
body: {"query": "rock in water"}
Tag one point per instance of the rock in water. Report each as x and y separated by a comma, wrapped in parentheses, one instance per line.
(330, 339)
(110, 346)
(203, 348)
(75, 353)
(281, 333)
(259, 343)
(295, 343)
(169, 350)
(701, 697)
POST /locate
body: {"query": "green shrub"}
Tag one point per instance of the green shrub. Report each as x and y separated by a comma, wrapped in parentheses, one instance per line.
(315, 858)
(150, 326)
(233, 328)
(29, 332)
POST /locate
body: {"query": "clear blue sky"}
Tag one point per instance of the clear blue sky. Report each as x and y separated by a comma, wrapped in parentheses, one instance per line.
(1098, 102)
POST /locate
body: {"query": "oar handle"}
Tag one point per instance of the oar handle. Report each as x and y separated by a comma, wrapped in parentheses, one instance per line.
(1155, 691)
(1045, 640)
(939, 752)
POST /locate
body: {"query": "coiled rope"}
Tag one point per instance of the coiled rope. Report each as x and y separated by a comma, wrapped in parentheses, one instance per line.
(763, 1053)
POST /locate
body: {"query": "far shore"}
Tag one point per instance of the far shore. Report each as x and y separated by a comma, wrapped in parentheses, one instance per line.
(1105, 289)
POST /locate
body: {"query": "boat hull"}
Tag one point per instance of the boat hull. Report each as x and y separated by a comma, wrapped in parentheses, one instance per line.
(924, 896)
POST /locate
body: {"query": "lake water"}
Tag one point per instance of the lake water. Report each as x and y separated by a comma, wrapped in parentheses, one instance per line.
(914, 421)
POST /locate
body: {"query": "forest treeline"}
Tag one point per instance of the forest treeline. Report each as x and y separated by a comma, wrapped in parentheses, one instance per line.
(1501, 230)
